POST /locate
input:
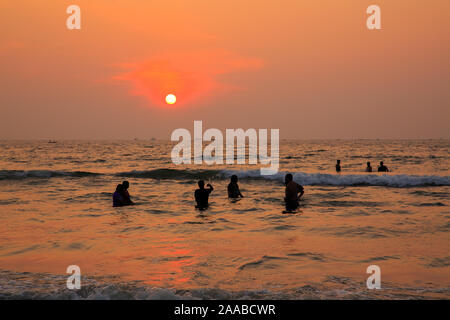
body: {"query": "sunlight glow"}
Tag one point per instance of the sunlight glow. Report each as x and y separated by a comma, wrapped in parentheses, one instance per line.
(171, 98)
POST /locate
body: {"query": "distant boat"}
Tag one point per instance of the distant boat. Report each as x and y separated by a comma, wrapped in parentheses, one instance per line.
(153, 139)
(52, 141)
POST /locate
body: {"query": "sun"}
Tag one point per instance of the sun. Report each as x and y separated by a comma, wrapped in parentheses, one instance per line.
(171, 98)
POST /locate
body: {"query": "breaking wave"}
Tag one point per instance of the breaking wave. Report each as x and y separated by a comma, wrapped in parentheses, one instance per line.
(321, 179)
(307, 179)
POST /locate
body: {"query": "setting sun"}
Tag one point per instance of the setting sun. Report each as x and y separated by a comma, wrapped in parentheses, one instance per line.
(171, 99)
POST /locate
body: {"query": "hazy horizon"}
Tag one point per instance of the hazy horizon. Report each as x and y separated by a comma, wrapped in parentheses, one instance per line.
(168, 140)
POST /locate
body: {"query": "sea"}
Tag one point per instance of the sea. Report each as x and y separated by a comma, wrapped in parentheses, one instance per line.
(56, 211)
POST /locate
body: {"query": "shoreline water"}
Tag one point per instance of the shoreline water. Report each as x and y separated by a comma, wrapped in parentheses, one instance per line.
(20, 286)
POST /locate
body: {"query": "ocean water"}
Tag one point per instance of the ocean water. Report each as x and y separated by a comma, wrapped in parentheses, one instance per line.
(56, 210)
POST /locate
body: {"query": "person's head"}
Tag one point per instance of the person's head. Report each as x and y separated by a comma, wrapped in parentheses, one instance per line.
(126, 185)
(119, 188)
(234, 178)
(368, 163)
(381, 163)
(338, 161)
(288, 178)
(201, 184)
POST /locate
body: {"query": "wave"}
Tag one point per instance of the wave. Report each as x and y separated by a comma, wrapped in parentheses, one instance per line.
(306, 179)
(23, 174)
(321, 179)
(161, 173)
(172, 174)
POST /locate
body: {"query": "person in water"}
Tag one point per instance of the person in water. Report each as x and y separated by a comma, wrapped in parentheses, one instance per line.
(369, 167)
(202, 195)
(233, 188)
(292, 193)
(338, 166)
(118, 200)
(382, 167)
(125, 195)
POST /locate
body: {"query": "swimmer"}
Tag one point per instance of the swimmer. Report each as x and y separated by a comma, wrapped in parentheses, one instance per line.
(292, 193)
(125, 194)
(202, 195)
(233, 188)
(338, 166)
(382, 167)
(118, 197)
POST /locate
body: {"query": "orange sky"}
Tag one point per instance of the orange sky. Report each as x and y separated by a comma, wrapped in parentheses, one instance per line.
(310, 68)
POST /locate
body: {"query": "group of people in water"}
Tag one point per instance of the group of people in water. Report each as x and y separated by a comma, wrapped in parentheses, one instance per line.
(381, 167)
(201, 195)
(121, 196)
(293, 190)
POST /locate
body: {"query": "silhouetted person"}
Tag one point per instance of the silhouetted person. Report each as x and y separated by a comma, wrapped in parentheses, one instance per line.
(338, 166)
(202, 195)
(126, 196)
(233, 188)
(382, 167)
(369, 167)
(292, 193)
(118, 196)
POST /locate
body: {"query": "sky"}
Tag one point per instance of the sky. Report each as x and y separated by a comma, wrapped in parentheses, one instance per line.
(309, 68)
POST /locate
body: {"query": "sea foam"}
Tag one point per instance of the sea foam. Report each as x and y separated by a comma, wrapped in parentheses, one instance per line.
(322, 179)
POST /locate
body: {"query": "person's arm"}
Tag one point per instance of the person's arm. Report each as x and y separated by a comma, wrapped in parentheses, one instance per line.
(300, 189)
(239, 192)
(210, 187)
(129, 198)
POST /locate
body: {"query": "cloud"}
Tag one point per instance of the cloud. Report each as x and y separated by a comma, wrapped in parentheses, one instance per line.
(191, 76)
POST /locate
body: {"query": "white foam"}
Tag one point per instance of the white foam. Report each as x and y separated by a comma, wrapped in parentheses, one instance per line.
(321, 179)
